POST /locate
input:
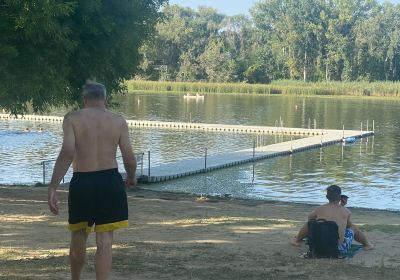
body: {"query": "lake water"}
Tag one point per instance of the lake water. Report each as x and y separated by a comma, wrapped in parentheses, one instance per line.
(368, 171)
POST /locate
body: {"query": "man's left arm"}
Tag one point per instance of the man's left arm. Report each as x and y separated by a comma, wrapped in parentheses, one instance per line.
(63, 162)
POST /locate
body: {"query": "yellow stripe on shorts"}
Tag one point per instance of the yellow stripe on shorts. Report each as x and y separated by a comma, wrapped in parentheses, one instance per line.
(111, 226)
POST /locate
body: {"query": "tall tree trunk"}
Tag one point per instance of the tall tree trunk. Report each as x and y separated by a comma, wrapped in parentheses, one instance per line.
(326, 72)
(385, 70)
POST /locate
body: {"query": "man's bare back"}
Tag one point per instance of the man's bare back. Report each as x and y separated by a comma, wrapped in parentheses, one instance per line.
(336, 213)
(97, 134)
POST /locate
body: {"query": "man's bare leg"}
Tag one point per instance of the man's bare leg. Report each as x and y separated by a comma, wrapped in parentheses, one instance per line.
(77, 253)
(303, 232)
(104, 242)
(360, 237)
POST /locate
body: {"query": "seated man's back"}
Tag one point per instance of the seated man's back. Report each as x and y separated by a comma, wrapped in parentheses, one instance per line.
(335, 213)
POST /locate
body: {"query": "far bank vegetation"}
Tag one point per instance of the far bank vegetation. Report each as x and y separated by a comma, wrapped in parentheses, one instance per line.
(327, 42)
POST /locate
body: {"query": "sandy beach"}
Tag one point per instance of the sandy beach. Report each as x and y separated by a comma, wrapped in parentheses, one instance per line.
(181, 236)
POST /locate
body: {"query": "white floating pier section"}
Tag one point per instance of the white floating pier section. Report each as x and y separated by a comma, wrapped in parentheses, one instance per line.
(187, 126)
(314, 138)
(205, 164)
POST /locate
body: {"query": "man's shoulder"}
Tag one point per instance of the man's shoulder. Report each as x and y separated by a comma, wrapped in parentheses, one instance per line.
(73, 113)
(115, 115)
(116, 118)
(347, 211)
(84, 111)
(323, 206)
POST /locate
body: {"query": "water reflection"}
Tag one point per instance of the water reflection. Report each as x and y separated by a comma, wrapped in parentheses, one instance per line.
(21, 153)
(367, 170)
(303, 178)
(23, 146)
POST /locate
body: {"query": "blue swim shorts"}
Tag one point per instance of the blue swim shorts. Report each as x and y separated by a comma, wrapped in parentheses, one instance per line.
(348, 240)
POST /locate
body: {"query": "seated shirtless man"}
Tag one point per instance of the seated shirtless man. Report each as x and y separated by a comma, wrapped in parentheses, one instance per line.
(333, 211)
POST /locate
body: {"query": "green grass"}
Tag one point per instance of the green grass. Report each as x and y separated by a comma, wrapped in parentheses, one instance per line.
(382, 228)
(286, 87)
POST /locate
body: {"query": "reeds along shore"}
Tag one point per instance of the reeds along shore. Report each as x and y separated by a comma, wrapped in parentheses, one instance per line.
(286, 87)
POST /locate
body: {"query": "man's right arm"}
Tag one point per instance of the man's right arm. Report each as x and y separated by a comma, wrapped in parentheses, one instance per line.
(312, 215)
(127, 156)
(349, 223)
(63, 162)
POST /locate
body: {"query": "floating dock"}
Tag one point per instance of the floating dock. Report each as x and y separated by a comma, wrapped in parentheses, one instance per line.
(188, 126)
(205, 164)
(313, 138)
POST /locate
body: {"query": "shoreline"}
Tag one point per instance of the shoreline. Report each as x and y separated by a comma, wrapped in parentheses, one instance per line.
(183, 236)
(254, 201)
(213, 198)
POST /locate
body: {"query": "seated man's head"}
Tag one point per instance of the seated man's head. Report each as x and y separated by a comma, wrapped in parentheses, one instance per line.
(333, 193)
(343, 200)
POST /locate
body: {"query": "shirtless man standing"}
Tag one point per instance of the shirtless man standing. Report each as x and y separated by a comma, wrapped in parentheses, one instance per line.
(335, 212)
(97, 192)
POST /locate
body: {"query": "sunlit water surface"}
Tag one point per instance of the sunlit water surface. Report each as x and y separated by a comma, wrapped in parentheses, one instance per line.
(368, 171)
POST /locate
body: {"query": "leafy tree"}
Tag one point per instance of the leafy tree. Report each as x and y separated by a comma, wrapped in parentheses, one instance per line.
(297, 29)
(216, 62)
(49, 48)
(189, 69)
(311, 40)
(378, 45)
(180, 39)
(238, 35)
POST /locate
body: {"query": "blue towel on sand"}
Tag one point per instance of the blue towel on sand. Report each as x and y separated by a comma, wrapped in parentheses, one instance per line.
(353, 250)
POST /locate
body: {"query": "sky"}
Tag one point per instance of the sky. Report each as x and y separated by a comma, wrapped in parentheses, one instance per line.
(227, 7)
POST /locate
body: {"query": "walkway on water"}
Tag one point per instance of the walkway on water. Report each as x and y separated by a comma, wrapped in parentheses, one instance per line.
(189, 167)
(314, 139)
(191, 126)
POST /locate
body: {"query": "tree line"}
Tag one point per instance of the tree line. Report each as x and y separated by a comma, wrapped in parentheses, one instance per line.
(48, 48)
(310, 40)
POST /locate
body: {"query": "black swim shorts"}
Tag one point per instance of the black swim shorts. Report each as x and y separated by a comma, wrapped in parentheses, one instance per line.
(97, 198)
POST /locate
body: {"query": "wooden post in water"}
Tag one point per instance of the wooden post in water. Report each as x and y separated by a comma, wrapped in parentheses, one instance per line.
(367, 125)
(148, 155)
(361, 128)
(373, 126)
(315, 124)
(343, 133)
(254, 156)
(254, 150)
(141, 171)
(322, 133)
(44, 173)
(205, 160)
(291, 145)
